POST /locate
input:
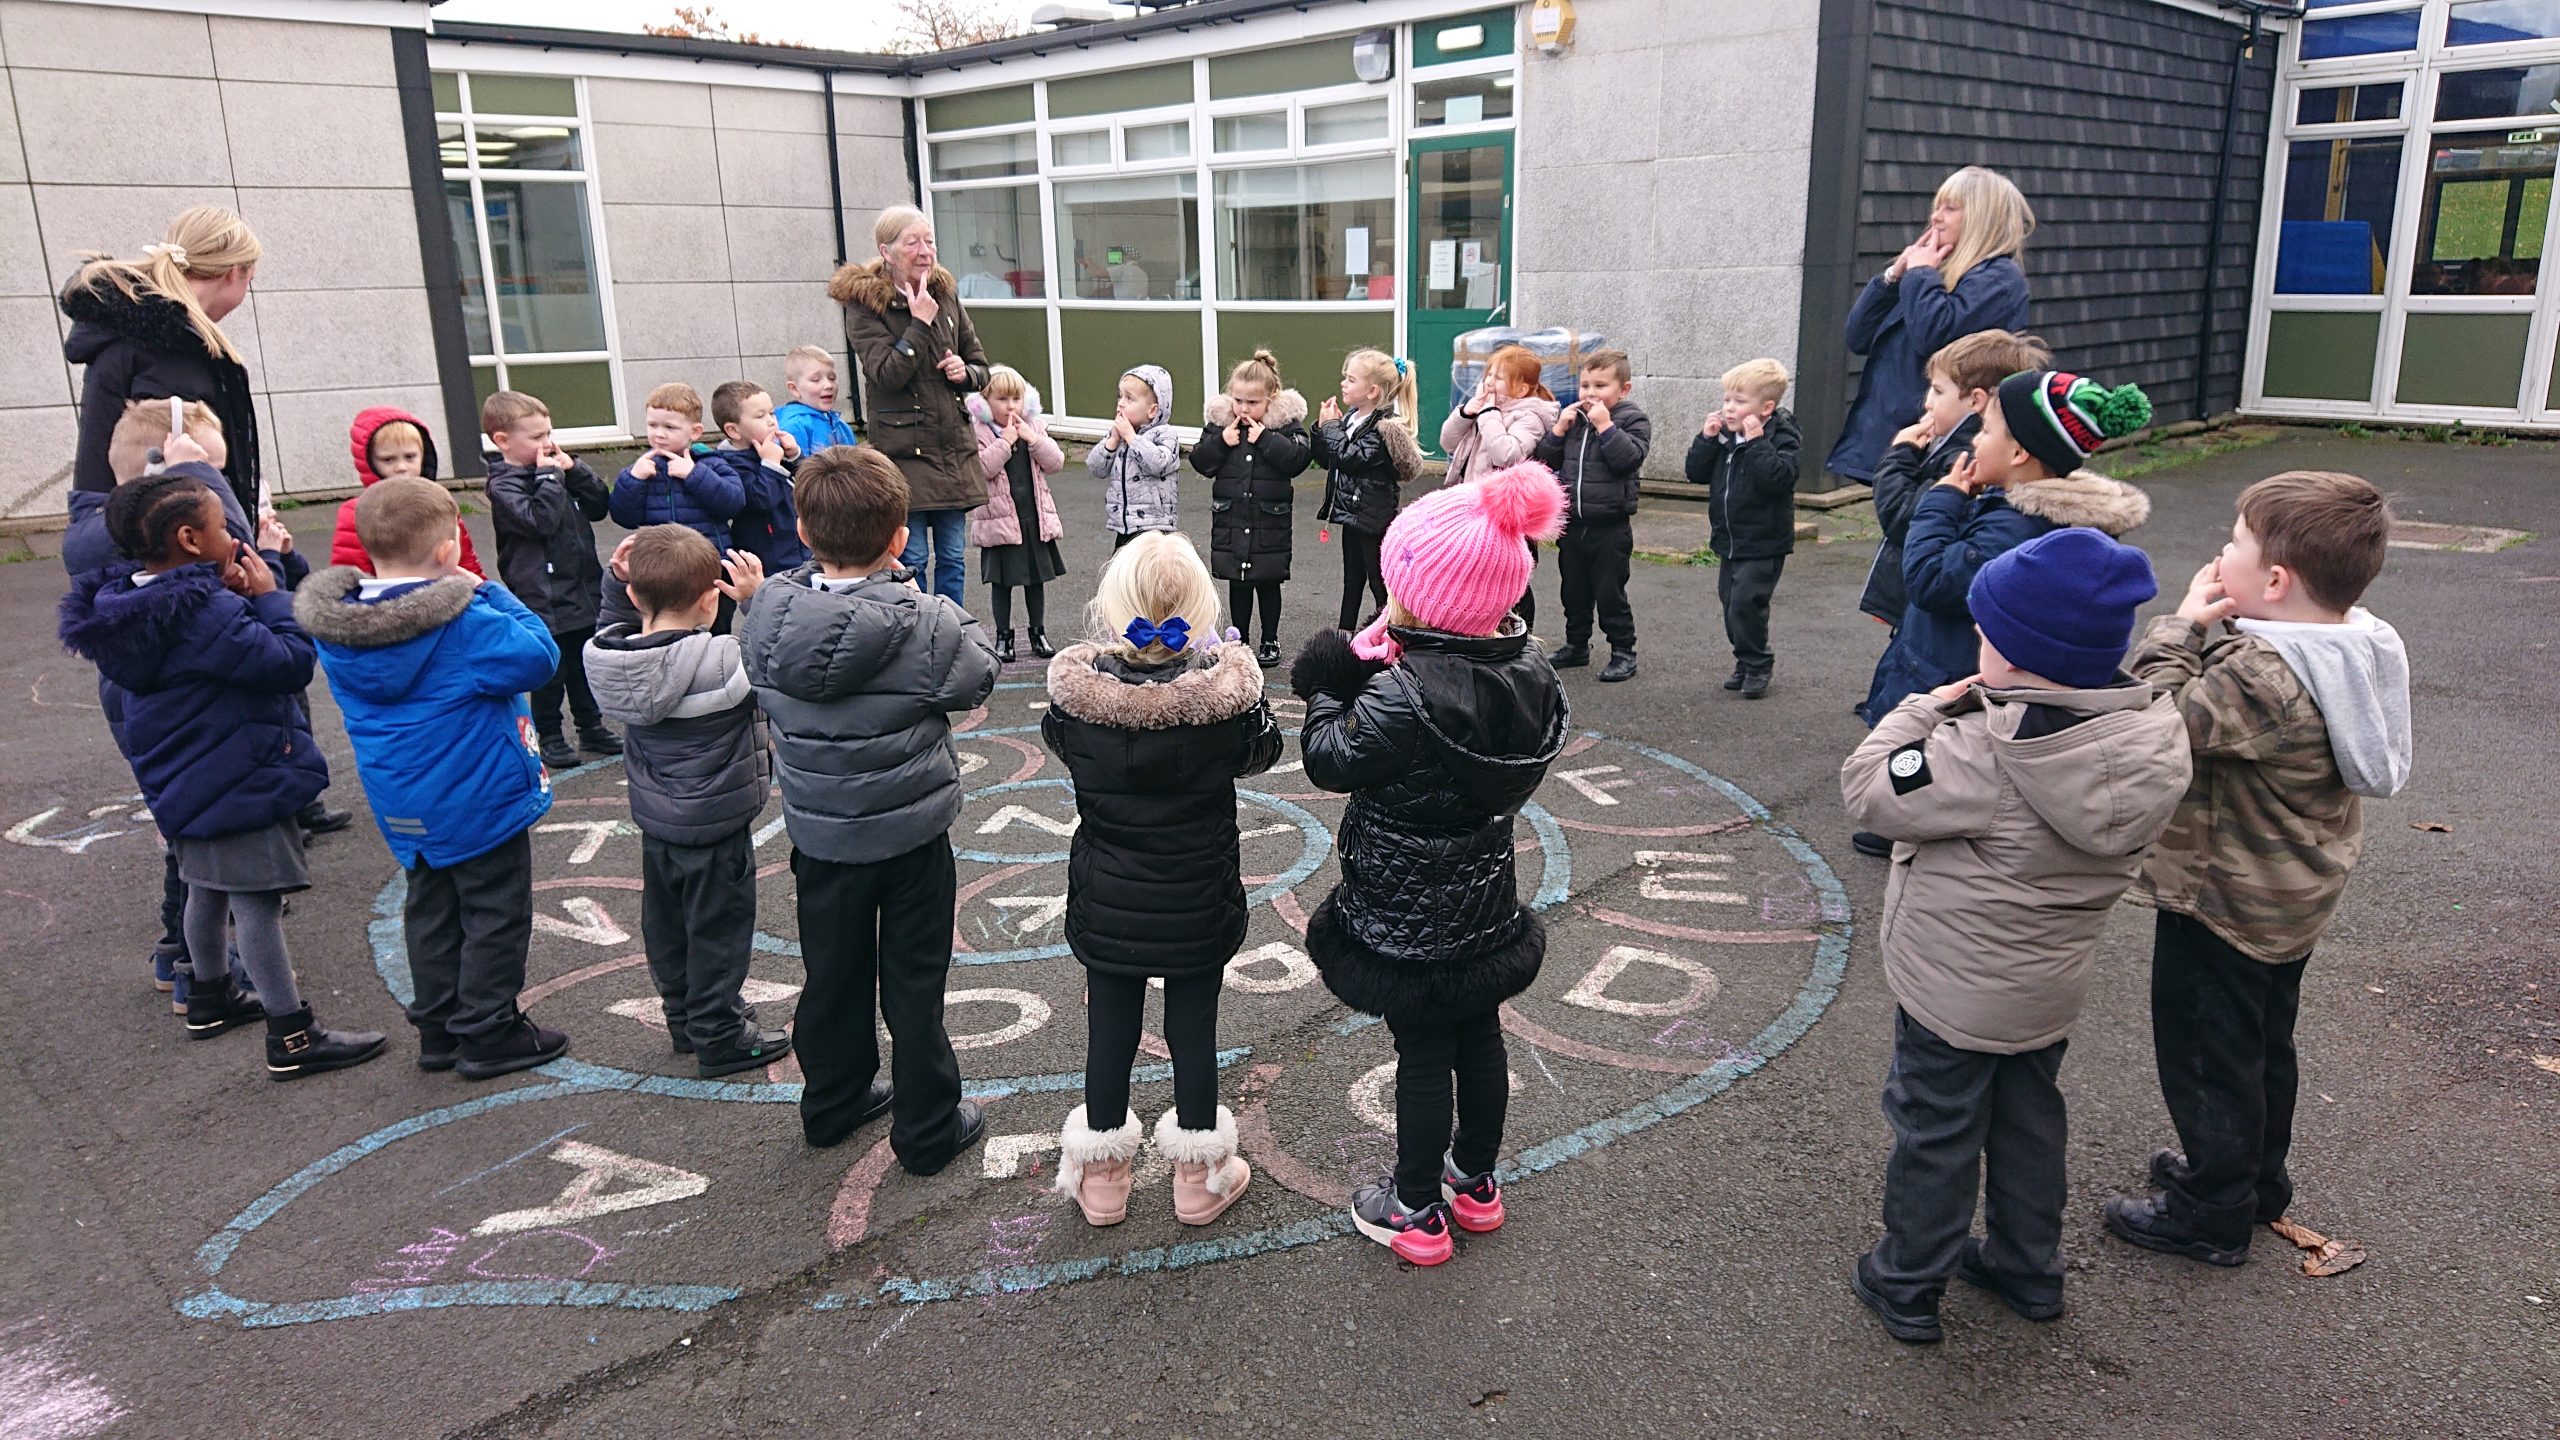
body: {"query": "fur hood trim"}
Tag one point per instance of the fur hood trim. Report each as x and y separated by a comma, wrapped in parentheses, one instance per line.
(149, 318)
(125, 630)
(1079, 1145)
(986, 418)
(2083, 497)
(866, 283)
(1404, 452)
(1376, 984)
(1223, 691)
(1287, 408)
(1212, 1148)
(322, 606)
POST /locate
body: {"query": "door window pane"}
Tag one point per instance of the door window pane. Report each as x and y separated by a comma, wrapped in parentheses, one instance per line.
(527, 147)
(2497, 22)
(1083, 147)
(1458, 228)
(991, 240)
(1312, 232)
(1346, 123)
(1466, 100)
(2340, 104)
(1168, 141)
(2487, 199)
(1236, 133)
(2383, 34)
(985, 157)
(2488, 94)
(1132, 238)
(475, 290)
(546, 265)
(2338, 197)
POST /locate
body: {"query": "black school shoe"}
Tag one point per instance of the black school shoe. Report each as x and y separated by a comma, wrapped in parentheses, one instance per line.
(296, 1047)
(874, 1105)
(596, 739)
(1040, 645)
(1971, 1270)
(754, 1048)
(2169, 1167)
(1914, 1326)
(520, 1046)
(1621, 666)
(559, 754)
(2150, 1223)
(438, 1050)
(1269, 655)
(1734, 681)
(1754, 685)
(318, 819)
(1868, 842)
(973, 1128)
(1570, 657)
(219, 1006)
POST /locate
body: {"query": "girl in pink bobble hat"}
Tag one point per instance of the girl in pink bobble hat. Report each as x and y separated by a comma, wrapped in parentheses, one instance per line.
(1439, 720)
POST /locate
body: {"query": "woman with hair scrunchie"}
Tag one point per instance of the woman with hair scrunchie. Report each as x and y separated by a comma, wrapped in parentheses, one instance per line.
(151, 328)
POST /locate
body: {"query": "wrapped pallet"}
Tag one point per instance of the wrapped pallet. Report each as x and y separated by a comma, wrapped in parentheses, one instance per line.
(1560, 353)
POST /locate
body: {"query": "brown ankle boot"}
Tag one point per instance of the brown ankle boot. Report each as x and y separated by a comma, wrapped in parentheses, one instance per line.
(1208, 1175)
(1093, 1166)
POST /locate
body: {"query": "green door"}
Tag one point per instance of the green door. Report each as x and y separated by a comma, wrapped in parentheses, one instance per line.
(1458, 276)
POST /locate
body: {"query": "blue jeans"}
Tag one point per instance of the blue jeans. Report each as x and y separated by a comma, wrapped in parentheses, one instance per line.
(949, 532)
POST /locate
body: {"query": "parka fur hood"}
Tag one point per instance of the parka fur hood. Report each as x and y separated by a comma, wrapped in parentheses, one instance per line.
(2083, 497)
(1226, 687)
(1286, 409)
(866, 283)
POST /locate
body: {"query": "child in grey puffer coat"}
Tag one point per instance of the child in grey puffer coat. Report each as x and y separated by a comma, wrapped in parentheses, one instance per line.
(1140, 458)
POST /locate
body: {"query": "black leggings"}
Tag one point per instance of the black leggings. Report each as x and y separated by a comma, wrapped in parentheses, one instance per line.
(1428, 1052)
(1115, 1009)
(1360, 572)
(569, 681)
(1035, 605)
(1241, 597)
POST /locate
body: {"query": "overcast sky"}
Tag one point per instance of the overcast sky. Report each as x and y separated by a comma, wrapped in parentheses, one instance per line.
(845, 25)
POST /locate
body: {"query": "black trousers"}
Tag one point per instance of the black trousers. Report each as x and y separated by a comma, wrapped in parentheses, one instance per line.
(1745, 587)
(1959, 1116)
(1115, 1009)
(1035, 605)
(468, 927)
(1123, 537)
(173, 905)
(2222, 1024)
(1360, 572)
(570, 679)
(1527, 608)
(698, 923)
(1243, 596)
(1429, 1052)
(1592, 560)
(875, 940)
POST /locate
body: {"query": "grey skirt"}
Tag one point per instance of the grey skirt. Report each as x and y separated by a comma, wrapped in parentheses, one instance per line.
(266, 859)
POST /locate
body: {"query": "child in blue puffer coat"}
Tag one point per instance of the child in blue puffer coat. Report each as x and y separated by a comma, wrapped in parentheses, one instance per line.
(198, 647)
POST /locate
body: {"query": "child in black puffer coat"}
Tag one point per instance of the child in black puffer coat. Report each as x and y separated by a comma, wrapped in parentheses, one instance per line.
(1439, 721)
(1156, 722)
(1252, 446)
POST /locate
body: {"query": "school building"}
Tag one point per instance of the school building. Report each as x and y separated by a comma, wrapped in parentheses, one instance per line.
(2337, 211)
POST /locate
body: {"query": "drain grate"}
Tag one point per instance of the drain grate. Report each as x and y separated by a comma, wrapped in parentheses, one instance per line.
(2467, 539)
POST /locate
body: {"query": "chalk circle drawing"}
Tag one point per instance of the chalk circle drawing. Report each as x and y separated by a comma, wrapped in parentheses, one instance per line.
(1692, 939)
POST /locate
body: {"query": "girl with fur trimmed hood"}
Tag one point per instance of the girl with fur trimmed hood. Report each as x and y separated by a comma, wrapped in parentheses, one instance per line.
(1439, 721)
(1366, 445)
(1156, 722)
(1017, 530)
(1252, 446)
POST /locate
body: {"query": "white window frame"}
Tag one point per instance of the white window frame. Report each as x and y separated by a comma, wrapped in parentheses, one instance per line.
(472, 172)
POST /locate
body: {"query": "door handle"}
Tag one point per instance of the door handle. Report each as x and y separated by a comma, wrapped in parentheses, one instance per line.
(1496, 312)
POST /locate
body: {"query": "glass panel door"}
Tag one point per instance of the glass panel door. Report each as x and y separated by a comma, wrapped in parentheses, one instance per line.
(1458, 275)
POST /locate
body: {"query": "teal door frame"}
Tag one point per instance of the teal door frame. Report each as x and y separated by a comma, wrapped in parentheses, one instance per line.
(1430, 335)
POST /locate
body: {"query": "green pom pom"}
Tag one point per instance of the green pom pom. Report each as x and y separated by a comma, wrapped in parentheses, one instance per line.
(2120, 411)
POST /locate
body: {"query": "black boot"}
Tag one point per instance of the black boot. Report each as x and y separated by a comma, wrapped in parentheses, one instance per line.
(1269, 655)
(219, 1005)
(1004, 647)
(318, 819)
(1621, 666)
(296, 1047)
(597, 740)
(2154, 1224)
(558, 754)
(1570, 656)
(521, 1046)
(1040, 645)
(753, 1049)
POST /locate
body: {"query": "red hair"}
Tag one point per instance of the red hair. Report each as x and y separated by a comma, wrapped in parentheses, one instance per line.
(1521, 366)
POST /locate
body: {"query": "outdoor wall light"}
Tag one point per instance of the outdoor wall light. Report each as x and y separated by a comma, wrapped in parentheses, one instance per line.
(1373, 55)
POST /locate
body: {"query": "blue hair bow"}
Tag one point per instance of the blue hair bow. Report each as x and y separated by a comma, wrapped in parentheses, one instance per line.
(1400, 363)
(1172, 634)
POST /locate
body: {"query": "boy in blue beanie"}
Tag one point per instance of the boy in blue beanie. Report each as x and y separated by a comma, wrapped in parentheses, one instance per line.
(2019, 800)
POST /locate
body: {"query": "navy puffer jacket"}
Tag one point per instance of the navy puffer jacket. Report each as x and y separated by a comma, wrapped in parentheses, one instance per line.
(208, 683)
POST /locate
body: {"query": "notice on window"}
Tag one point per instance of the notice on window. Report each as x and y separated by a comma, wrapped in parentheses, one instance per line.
(1465, 110)
(1355, 250)
(1444, 264)
(1471, 258)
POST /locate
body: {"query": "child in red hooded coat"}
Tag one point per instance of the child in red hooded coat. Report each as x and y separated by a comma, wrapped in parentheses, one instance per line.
(385, 441)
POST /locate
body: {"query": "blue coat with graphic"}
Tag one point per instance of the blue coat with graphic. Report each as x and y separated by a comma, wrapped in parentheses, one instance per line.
(206, 683)
(431, 678)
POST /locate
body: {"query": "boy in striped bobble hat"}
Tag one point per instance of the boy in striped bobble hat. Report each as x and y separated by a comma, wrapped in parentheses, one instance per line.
(1438, 720)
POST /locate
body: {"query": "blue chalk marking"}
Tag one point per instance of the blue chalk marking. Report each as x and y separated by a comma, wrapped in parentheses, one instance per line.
(1357, 1023)
(517, 1158)
(991, 857)
(1013, 1279)
(1555, 880)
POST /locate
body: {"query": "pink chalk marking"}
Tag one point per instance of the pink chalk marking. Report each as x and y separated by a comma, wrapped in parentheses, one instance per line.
(1153, 1044)
(549, 988)
(970, 721)
(596, 1255)
(1032, 757)
(1253, 1136)
(1285, 905)
(1546, 1039)
(1712, 937)
(960, 943)
(767, 872)
(1580, 743)
(589, 882)
(1303, 795)
(557, 802)
(851, 1215)
(1646, 832)
(785, 1071)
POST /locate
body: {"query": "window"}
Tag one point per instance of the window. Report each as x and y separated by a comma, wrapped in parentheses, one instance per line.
(2338, 196)
(990, 238)
(1080, 148)
(1347, 123)
(1131, 238)
(1305, 232)
(2488, 197)
(1235, 134)
(2383, 34)
(2347, 104)
(2489, 94)
(985, 157)
(2498, 22)
(1168, 140)
(516, 195)
(1465, 100)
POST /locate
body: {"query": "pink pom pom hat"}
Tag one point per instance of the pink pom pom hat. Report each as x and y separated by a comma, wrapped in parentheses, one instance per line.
(1457, 559)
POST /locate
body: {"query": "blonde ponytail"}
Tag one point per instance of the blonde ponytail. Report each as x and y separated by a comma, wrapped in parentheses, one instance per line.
(203, 243)
(1392, 375)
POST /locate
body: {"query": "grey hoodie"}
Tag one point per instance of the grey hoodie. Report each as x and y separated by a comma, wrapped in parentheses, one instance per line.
(694, 744)
(2358, 674)
(2020, 818)
(1145, 474)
